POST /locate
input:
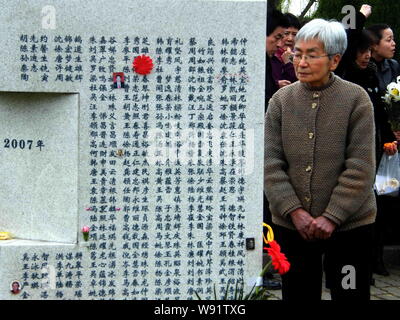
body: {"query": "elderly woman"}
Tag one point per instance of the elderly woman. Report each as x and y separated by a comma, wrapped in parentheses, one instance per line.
(319, 171)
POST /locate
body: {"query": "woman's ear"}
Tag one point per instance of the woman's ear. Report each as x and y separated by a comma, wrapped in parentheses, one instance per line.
(335, 62)
(374, 48)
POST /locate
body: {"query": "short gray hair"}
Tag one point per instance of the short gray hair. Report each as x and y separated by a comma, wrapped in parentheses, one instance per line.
(330, 33)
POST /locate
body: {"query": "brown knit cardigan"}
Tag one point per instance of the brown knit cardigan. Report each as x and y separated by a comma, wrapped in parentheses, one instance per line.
(319, 153)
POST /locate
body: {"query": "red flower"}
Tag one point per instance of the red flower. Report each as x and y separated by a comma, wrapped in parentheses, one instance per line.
(279, 260)
(142, 64)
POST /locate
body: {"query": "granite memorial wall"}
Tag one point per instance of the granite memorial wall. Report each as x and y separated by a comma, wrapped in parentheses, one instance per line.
(161, 160)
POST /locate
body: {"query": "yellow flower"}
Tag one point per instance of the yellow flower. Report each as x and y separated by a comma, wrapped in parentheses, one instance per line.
(5, 236)
(270, 234)
(394, 92)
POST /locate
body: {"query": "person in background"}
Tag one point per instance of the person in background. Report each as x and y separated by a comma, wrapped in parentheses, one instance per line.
(291, 32)
(276, 26)
(319, 170)
(383, 52)
(356, 66)
(282, 66)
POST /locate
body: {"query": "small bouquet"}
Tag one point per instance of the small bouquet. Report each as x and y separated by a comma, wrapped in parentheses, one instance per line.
(85, 232)
(392, 100)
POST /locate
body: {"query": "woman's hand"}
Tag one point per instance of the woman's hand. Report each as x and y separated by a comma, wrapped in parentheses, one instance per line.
(287, 55)
(302, 221)
(366, 10)
(321, 228)
(283, 83)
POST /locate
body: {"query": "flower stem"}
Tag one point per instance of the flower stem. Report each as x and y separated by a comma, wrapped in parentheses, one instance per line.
(264, 270)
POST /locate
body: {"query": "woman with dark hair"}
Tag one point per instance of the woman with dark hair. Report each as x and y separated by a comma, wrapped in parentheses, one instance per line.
(276, 25)
(15, 287)
(382, 54)
(363, 72)
(357, 67)
(282, 66)
(291, 32)
(383, 50)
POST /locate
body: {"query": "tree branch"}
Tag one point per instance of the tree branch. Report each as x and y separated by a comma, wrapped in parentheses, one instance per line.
(308, 6)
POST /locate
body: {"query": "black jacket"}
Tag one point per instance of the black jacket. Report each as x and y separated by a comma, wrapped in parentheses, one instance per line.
(270, 85)
(387, 70)
(368, 79)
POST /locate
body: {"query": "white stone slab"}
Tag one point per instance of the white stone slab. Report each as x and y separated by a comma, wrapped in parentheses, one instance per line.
(38, 191)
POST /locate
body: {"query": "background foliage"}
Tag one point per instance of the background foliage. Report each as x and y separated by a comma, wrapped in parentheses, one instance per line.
(383, 11)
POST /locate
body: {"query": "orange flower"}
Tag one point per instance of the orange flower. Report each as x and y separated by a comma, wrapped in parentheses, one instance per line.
(279, 260)
(390, 146)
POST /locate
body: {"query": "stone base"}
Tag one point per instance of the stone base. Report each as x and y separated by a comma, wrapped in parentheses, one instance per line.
(32, 243)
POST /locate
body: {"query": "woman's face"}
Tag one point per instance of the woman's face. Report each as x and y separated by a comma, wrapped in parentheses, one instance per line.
(15, 287)
(274, 41)
(312, 64)
(385, 49)
(290, 35)
(363, 58)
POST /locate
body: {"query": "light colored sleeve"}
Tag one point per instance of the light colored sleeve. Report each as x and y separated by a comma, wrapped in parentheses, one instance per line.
(277, 186)
(356, 181)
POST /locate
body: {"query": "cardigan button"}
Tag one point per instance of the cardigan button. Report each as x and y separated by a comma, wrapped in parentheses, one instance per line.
(308, 169)
(316, 95)
(307, 199)
(313, 105)
(311, 135)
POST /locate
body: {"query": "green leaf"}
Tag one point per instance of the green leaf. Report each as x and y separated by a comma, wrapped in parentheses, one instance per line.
(226, 291)
(215, 293)
(247, 297)
(236, 291)
(241, 291)
(197, 295)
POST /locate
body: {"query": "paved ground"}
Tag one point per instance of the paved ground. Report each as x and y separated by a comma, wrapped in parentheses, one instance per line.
(385, 288)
